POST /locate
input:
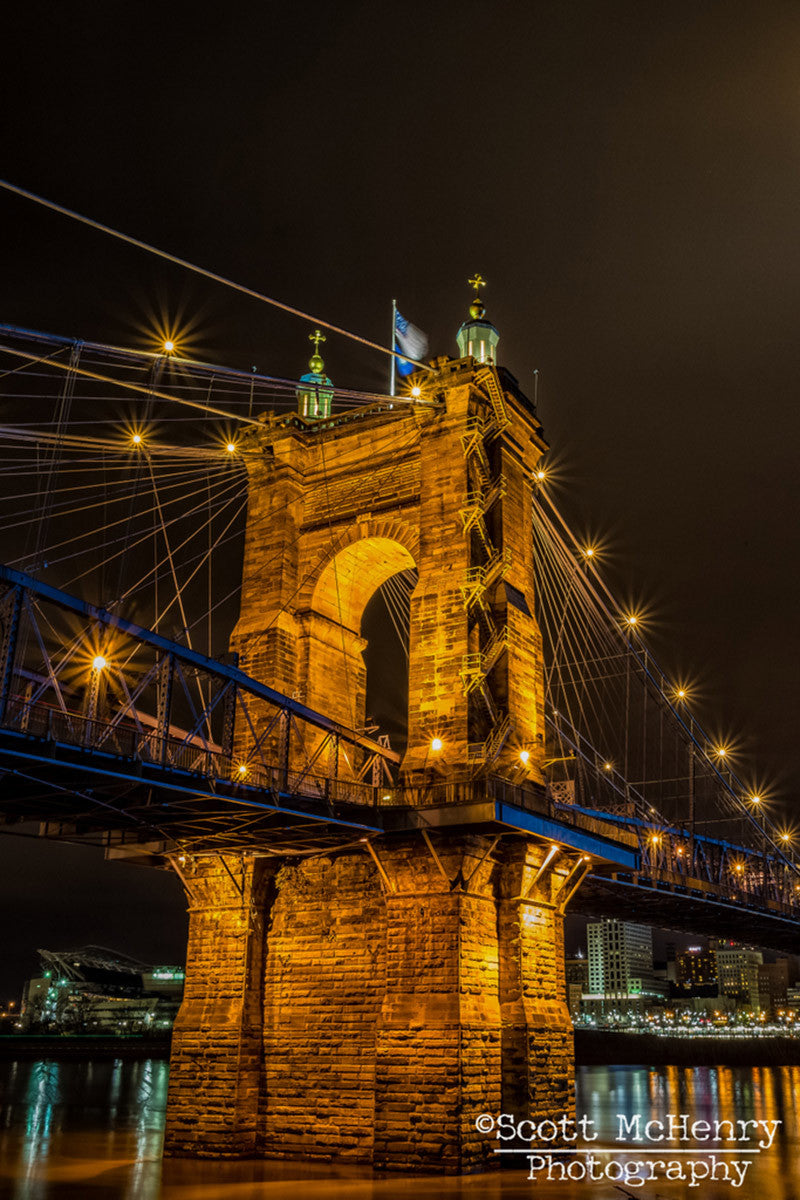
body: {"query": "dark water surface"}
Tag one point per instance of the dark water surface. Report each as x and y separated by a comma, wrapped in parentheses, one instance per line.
(73, 1130)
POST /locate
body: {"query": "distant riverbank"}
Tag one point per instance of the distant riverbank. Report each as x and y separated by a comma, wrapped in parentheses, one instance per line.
(592, 1046)
(24, 1047)
(614, 1047)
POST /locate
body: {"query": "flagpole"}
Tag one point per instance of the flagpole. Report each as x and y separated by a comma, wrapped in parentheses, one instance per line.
(392, 346)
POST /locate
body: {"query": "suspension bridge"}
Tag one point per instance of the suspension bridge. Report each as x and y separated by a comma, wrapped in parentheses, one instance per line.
(193, 569)
(140, 511)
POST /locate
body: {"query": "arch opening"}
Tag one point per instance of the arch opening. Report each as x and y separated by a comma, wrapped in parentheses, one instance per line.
(385, 626)
(354, 574)
(350, 654)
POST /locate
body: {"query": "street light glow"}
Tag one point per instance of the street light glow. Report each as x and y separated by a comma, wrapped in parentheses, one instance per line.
(99, 663)
(169, 346)
(524, 756)
(436, 743)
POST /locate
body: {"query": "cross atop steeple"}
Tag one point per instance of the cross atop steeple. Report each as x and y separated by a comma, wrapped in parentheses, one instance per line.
(315, 362)
(476, 309)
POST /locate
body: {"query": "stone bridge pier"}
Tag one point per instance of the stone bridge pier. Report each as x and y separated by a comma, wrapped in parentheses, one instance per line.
(368, 1004)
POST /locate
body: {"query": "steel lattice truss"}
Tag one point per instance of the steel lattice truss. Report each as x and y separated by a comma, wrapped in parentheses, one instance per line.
(111, 732)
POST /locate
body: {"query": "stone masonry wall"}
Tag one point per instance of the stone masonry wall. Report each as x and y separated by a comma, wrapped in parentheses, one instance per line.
(323, 983)
(215, 1067)
(340, 1009)
(538, 1064)
(437, 706)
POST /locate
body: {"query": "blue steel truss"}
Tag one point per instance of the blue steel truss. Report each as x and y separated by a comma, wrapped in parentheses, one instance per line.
(165, 751)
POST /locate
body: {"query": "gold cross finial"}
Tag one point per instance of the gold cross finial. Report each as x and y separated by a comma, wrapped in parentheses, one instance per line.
(316, 337)
(476, 309)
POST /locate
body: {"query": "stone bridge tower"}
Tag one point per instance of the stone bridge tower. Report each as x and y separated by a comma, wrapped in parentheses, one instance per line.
(341, 504)
(370, 1001)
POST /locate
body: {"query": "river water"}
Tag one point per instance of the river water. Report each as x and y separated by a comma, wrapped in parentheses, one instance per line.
(94, 1130)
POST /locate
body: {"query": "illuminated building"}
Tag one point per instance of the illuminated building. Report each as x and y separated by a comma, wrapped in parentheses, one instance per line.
(93, 990)
(577, 976)
(775, 980)
(737, 972)
(621, 964)
(696, 969)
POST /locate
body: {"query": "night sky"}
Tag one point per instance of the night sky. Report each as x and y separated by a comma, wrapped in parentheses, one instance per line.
(625, 175)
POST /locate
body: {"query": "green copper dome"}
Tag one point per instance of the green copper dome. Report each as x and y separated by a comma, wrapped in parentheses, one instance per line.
(315, 390)
(477, 338)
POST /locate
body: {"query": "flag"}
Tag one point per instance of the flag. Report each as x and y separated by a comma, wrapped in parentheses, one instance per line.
(408, 340)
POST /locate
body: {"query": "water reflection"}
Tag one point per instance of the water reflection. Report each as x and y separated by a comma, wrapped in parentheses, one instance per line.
(67, 1127)
(94, 1131)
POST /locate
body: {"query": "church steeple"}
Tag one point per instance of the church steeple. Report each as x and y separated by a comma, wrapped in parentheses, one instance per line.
(477, 337)
(315, 390)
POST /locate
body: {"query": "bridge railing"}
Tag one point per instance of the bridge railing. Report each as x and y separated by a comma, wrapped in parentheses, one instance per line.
(40, 720)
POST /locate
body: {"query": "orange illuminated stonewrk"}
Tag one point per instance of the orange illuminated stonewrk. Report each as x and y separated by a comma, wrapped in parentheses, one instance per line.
(335, 514)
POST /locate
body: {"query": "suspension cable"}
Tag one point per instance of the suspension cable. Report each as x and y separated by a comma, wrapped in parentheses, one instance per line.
(182, 262)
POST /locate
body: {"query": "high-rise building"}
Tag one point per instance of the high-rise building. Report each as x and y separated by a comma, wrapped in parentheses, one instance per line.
(672, 968)
(577, 976)
(737, 972)
(696, 970)
(621, 962)
(775, 980)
